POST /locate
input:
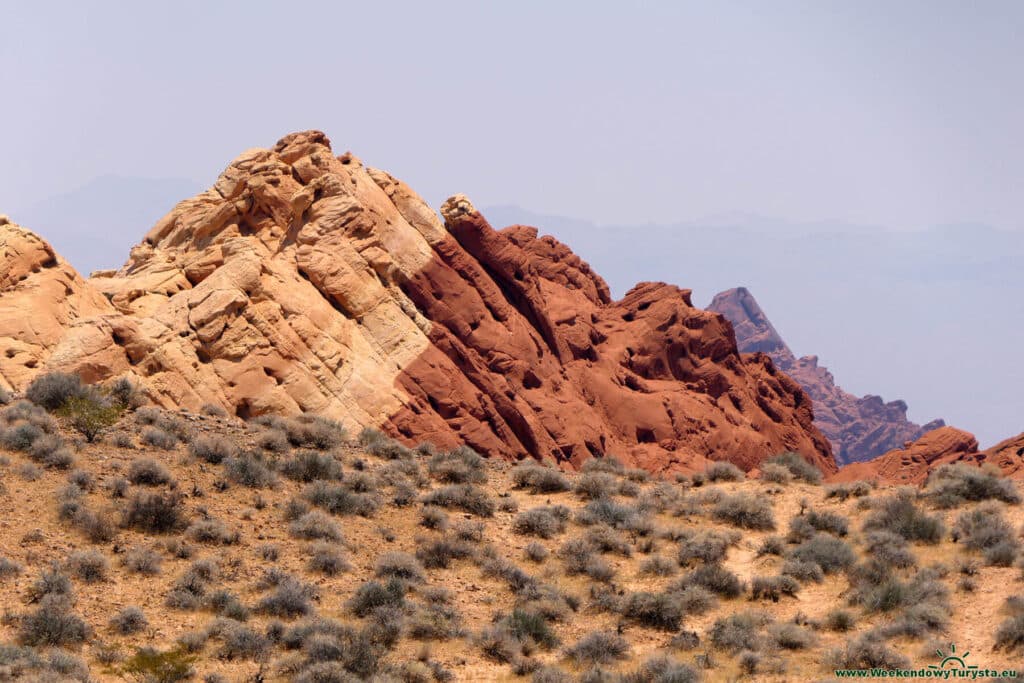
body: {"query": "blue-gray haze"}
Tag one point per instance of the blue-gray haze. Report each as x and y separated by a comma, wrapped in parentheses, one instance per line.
(731, 142)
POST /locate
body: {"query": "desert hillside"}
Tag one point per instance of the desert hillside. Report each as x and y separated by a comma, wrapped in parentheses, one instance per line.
(194, 545)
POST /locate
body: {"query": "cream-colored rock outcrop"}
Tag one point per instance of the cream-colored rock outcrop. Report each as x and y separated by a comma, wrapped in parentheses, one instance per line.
(275, 290)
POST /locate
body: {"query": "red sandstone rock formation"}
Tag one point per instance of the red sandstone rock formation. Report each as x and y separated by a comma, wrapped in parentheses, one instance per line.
(859, 428)
(911, 464)
(305, 281)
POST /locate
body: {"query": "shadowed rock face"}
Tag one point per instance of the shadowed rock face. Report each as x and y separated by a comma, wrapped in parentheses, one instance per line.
(859, 428)
(305, 281)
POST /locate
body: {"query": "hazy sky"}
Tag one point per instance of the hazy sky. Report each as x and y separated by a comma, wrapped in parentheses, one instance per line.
(902, 115)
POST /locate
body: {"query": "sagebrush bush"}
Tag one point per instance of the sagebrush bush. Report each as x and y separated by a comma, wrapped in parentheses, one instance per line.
(803, 570)
(373, 595)
(775, 473)
(545, 522)
(536, 552)
(434, 518)
(797, 466)
(773, 587)
(857, 489)
(772, 545)
(662, 611)
(158, 438)
(289, 599)
(154, 512)
(339, 499)
(460, 465)
(600, 647)
(840, 620)
(314, 431)
(594, 485)
(212, 531)
(142, 561)
(954, 484)
(746, 511)
(88, 565)
(306, 466)
(434, 622)
(274, 440)
(790, 636)
(828, 552)
(605, 511)
(899, 514)
(866, 652)
(1010, 634)
(983, 527)
(707, 545)
(889, 548)
(50, 581)
(314, 525)
(10, 568)
(539, 479)
(128, 621)
(212, 449)
(466, 497)
(148, 472)
(52, 623)
(327, 559)
(805, 526)
(399, 565)
(740, 631)
(715, 578)
(52, 389)
(439, 552)
(724, 471)
(251, 470)
(658, 565)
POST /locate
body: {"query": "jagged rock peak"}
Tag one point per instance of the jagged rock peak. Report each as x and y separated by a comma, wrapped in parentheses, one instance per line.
(859, 428)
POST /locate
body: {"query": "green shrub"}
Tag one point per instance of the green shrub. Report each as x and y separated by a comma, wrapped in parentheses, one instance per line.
(170, 666)
(89, 415)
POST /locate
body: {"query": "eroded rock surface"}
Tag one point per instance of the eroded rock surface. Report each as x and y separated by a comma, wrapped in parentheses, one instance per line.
(305, 281)
(859, 428)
